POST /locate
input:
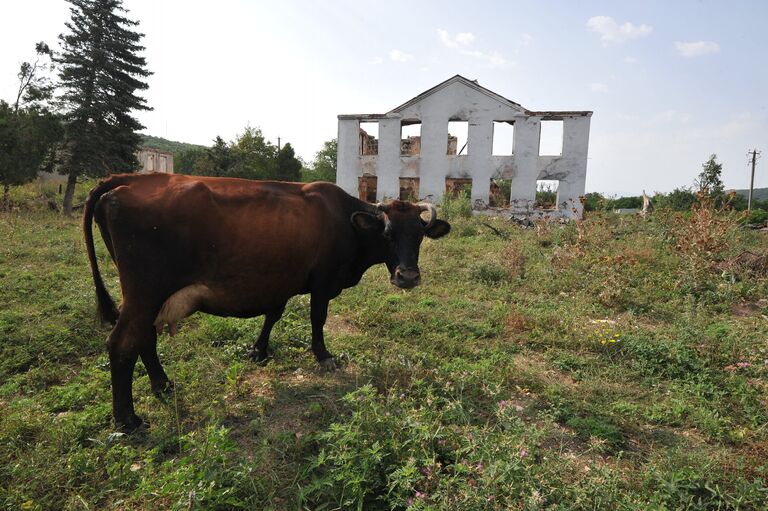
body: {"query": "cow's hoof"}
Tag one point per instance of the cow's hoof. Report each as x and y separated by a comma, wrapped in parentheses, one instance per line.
(131, 424)
(328, 364)
(163, 390)
(258, 356)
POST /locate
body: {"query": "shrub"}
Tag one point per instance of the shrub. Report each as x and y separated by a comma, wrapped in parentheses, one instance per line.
(459, 206)
(488, 273)
(756, 217)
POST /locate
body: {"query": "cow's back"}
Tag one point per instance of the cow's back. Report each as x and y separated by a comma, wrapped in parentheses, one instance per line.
(252, 243)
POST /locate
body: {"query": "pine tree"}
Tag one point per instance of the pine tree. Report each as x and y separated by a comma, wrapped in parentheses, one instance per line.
(100, 72)
(288, 166)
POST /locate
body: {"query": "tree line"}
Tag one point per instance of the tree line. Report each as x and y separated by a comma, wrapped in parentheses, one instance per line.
(708, 185)
(251, 156)
(74, 113)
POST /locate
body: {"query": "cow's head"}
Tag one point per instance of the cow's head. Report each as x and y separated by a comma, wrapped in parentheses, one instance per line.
(399, 228)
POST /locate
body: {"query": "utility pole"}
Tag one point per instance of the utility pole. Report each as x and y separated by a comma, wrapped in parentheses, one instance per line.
(278, 144)
(752, 180)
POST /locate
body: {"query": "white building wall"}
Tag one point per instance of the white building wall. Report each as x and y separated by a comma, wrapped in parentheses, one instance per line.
(459, 101)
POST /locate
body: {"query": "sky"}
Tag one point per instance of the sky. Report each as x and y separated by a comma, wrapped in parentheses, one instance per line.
(670, 83)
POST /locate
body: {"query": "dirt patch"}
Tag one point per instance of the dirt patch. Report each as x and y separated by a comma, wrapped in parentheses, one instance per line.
(516, 323)
(341, 326)
(749, 309)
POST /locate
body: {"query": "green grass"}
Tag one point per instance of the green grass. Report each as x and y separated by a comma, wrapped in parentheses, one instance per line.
(597, 365)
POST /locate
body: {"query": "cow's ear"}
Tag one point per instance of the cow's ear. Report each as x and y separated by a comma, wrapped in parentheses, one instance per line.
(438, 229)
(367, 222)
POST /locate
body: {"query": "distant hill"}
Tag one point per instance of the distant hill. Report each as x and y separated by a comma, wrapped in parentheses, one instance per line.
(757, 193)
(168, 145)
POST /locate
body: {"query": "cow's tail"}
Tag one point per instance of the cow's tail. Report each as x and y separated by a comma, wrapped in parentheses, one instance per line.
(105, 306)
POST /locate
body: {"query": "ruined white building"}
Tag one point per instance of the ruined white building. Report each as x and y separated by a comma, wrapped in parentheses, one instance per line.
(154, 160)
(415, 155)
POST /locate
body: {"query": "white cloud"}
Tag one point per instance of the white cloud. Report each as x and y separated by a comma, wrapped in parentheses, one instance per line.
(527, 39)
(630, 60)
(465, 38)
(461, 39)
(611, 32)
(461, 42)
(494, 59)
(696, 48)
(598, 87)
(400, 56)
(377, 61)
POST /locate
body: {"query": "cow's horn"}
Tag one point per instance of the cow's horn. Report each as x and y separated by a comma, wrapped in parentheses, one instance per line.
(426, 206)
(382, 207)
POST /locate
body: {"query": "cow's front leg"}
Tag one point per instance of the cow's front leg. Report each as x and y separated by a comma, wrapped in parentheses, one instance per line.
(318, 315)
(259, 351)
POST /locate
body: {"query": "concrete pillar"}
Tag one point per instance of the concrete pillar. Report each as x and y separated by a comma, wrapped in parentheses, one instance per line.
(388, 169)
(575, 144)
(434, 164)
(480, 145)
(347, 159)
(527, 132)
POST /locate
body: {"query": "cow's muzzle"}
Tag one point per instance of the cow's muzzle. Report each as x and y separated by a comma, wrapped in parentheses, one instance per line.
(406, 278)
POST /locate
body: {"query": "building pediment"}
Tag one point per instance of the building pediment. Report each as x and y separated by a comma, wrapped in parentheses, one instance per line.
(472, 86)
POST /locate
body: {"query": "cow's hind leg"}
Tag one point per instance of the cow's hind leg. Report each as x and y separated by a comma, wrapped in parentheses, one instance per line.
(124, 345)
(259, 351)
(161, 385)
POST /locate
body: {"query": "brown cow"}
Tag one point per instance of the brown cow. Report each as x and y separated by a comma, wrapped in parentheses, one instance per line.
(233, 247)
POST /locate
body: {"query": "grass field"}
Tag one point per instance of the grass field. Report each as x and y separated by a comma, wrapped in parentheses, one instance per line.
(617, 363)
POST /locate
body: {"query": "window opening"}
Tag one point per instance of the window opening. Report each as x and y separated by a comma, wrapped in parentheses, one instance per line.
(459, 130)
(546, 194)
(503, 138)
(369, 138)
(366, 187)
(551, 138)
(410, 138)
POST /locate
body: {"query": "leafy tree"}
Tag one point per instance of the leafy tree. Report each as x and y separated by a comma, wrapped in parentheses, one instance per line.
(324, 164)
(185, 161)
(709, 180)
(35, 87)
(28, 129)
(27, 138)
(288, 166)
(255, 157)
(101, 71)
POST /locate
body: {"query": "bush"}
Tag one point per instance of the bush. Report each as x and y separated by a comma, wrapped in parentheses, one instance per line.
(680, 199)
(756, 217)
(459, 206)
(594, 201)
